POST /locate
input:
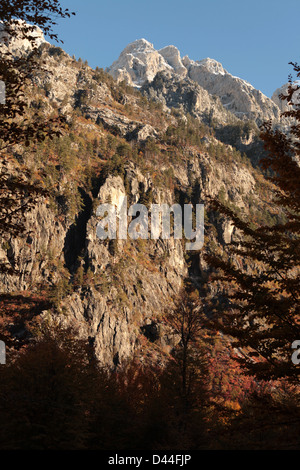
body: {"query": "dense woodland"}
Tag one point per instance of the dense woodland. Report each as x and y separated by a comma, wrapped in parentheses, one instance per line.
(229, 381)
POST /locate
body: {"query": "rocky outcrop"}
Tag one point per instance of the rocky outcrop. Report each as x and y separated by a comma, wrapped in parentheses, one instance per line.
(130, 283)
(32, 255)
(282, 104)
(236, 95)
(172, 56)
(127, 291)
(16, 44)
(133, 283)
(138, 62)
(188, 97)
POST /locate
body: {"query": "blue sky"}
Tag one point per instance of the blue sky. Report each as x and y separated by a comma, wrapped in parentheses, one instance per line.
(254, 40)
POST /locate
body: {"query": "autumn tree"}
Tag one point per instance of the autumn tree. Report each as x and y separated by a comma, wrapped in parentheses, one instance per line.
(186, 323)
(47, 394)
(182, 403)
(19, 125)
(259, 272)
(18, 21)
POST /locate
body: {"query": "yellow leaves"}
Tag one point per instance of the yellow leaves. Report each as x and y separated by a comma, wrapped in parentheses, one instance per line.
(232, 405)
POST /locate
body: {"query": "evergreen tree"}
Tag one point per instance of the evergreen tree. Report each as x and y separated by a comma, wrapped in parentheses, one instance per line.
(260, 271)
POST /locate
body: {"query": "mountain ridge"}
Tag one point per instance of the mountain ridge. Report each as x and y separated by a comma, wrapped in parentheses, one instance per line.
(119, 143)
(139, 62)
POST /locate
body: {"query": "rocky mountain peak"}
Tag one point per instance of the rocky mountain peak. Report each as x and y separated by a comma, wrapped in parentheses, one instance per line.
(16, 43)
(139, 45)
(172, 56)
(140, 62)
(211, 65)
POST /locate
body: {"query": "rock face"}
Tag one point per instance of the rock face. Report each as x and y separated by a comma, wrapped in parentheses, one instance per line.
(186, 96)
(131, 285)
(140, 62)
(236, 95)
(18, 45)
(282, 104)
(114, 292)
(172, 56)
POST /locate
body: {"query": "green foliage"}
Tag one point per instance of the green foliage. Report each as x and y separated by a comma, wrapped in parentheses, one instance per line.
(146, 197)
(114, 167)
(189, 132)
(82, 97)
(56, 52)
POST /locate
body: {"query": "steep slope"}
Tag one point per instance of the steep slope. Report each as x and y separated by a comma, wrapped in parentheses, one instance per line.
(118, 143)
(282, 104)
(17, 45)
(187, 96)
(237, 95)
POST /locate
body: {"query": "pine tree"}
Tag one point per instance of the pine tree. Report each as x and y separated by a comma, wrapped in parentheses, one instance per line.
(260, 272)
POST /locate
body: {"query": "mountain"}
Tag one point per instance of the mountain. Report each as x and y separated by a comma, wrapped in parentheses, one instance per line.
(282, 104)
(18, 45)
(139, 63)
(118, 143)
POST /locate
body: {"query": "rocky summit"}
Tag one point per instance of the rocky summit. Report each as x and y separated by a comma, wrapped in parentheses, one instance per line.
(139, 63)
(16, 43)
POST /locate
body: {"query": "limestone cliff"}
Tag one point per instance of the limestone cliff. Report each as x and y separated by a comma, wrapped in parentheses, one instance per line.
(117, 143)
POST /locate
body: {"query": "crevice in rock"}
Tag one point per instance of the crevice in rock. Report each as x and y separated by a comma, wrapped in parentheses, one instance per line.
(76, 236)
(150, 332)
(116, 359)
(97, 182)
(75, 240)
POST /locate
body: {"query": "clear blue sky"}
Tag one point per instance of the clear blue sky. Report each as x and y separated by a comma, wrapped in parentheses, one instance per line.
(254, 40)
